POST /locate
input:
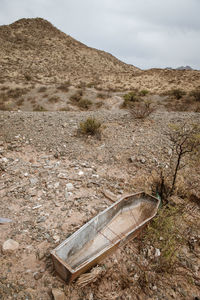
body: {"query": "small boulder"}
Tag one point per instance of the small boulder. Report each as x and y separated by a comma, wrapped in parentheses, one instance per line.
(10, 246)
(58, 294)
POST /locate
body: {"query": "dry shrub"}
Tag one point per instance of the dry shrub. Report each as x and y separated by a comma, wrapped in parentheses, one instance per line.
(64, 87)
(54, 99)
(39, 108)
(77, 96)
(141, 110)
(102, 96)
(90, 127)
(42, 89)
(196, 94)
(84, 103)
(177, 93)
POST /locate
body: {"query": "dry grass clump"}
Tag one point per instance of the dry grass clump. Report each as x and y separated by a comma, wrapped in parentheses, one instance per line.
(102, 96)
(84, 103)
(54, 99)
(42, 89)
(77, 96)
(177, 93)
(39, 108)
(196, 94)
(90, 127)
(64, 87)
(141, 110)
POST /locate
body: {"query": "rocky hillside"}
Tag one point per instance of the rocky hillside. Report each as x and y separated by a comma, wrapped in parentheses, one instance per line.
(33, 50)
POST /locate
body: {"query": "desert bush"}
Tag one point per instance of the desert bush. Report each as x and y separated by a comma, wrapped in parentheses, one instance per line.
(39, 108)
(143, 93)
(129, 99)
(54, 99)
(177, 93)
(102, 96)
(196, 95)
(90, 127)
(27, 76)
(64, 87)
(141, 110)
(77, 96)
(84, 103)
(20, 102)
(164, 235)
(42, 89)
(184, 145)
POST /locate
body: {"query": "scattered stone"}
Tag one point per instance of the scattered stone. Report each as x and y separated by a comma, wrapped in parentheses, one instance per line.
(37, 275)
(58, 294)
(62, 176)
(37, 206)
(69, 187)
(10, 246)
(33, 180)
(41, 219)
(157, 252)
(80, 173)
(132, 159)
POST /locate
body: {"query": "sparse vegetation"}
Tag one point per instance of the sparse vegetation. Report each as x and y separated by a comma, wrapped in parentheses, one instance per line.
(163, 234)
(64, 87)
(54, 99)
(84, 103)
(77, 96)
(42, 89)
(185, 141)
(90, 127)
(177, 93)
(196, 95)
(141, 110)
(129, 99)
(143, 93)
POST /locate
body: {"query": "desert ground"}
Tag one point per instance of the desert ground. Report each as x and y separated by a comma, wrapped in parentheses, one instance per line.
(55, 174)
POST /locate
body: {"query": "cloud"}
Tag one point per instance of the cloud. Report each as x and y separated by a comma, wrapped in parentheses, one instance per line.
(145, 33)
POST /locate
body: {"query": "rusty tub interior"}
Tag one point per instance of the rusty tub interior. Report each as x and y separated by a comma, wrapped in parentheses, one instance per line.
(101, 235)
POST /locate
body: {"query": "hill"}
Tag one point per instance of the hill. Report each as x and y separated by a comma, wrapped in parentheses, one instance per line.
(34, 50)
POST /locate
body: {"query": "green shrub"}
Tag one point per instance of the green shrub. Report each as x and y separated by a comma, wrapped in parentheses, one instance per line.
(129, 99)
(90, 126)
(143, 93)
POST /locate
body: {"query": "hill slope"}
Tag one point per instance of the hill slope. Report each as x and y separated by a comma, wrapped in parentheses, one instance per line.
(35, 48)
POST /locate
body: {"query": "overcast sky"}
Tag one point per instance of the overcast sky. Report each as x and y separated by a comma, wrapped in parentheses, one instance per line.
(144, 33)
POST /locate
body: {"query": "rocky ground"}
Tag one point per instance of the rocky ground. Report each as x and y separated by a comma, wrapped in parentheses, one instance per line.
(52, 181)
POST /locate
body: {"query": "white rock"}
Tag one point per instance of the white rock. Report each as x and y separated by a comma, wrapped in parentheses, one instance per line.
(157, 252)
(69, 187)
(58, 294)
(62, 175)
(80, 173)
(10, 246)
